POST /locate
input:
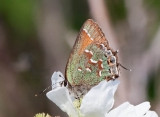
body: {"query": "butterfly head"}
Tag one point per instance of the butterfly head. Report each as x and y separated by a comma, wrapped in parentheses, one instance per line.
(57, 79)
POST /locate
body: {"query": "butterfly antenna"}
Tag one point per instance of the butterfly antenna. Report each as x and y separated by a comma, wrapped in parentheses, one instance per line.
(41, 92)
(124, 67)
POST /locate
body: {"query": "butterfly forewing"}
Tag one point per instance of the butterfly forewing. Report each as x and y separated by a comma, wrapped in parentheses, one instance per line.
(88, 63)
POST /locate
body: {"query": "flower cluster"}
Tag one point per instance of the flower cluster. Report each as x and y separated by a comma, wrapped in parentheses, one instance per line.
(42, 115)
(98, 102)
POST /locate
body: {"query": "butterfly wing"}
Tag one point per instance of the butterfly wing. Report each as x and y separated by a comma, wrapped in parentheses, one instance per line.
(88, 62)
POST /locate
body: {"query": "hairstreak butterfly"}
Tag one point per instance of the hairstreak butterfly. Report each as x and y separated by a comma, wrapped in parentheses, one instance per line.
(91, 60)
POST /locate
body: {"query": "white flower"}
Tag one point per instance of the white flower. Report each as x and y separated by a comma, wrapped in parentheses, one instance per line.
(97, 102)
(128, 110)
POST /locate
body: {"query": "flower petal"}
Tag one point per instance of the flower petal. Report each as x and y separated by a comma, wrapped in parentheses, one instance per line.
(128, 110)
(151, 114)
(99, 99)
(60, 96)
(119, 110)
(142, 108)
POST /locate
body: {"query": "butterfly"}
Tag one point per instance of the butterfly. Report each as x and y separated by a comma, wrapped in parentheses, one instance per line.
(91, 60)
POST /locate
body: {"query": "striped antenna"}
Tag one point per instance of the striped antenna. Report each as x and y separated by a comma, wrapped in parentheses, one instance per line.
(41, 92)
(124, 67)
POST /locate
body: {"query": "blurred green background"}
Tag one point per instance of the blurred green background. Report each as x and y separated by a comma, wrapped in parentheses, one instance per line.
(36, 37)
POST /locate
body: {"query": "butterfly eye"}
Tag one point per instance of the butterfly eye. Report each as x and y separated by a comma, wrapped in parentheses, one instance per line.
(102, 46)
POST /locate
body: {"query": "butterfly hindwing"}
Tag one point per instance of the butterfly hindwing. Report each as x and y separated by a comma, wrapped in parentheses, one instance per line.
(89, 61)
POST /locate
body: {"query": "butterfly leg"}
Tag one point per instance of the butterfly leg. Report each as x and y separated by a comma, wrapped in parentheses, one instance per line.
(108, 78)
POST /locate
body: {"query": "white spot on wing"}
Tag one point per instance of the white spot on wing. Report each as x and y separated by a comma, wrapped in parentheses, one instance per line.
(86, 51)
(88, 34)
(100, 73)
(91, 52)
(100, 60)
(113, 77)
(91, 38)
(79, 69)
(102, 45)
(85, 30)
(102, 65)
(88, 69)
(93, 61)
